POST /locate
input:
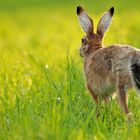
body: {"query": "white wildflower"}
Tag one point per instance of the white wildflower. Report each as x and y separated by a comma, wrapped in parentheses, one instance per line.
(58, 99)
(46, 66)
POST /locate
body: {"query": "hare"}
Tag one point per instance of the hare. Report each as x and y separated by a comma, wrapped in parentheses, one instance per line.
(115, 68)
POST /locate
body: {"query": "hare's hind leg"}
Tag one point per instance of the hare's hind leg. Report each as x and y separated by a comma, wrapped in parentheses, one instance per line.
(122, 95)
(122, 98)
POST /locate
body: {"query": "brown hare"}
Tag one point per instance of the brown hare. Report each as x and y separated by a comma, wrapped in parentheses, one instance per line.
(115, 68)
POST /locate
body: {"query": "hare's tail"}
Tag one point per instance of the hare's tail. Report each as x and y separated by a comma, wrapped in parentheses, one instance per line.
(135, 69)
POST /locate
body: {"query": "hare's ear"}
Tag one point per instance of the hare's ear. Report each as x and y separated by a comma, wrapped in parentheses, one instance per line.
(85, 21)
(105, 22)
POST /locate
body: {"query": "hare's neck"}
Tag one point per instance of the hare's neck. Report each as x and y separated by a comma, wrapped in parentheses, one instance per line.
(87, 59)
(93, 50)
(89, 55)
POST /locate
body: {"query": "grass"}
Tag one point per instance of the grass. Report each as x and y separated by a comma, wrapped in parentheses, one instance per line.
(42, 87)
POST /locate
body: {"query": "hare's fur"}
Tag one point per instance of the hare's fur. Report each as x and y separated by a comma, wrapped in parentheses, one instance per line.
(115, 68)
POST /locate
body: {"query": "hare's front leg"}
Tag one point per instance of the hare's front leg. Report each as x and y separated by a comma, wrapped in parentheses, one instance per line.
(122, 96)
(95, 97)
(90, 88)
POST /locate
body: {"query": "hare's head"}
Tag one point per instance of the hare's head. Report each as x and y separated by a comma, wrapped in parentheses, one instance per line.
(93, 40)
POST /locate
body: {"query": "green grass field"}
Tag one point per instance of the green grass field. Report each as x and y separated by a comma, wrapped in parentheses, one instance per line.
(42, 88)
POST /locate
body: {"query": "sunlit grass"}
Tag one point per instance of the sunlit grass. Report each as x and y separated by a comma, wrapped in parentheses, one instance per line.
(42, 88)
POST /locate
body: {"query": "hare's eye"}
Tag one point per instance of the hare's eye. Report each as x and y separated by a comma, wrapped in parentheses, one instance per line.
(84, 41)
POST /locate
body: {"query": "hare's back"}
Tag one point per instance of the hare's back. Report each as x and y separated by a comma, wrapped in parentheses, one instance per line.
(111, 58)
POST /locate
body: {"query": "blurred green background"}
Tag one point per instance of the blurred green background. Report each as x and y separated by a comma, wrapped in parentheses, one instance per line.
(53, 26)
(42, 87)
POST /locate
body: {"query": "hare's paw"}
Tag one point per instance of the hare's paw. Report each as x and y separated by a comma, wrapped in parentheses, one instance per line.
(130, 117)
